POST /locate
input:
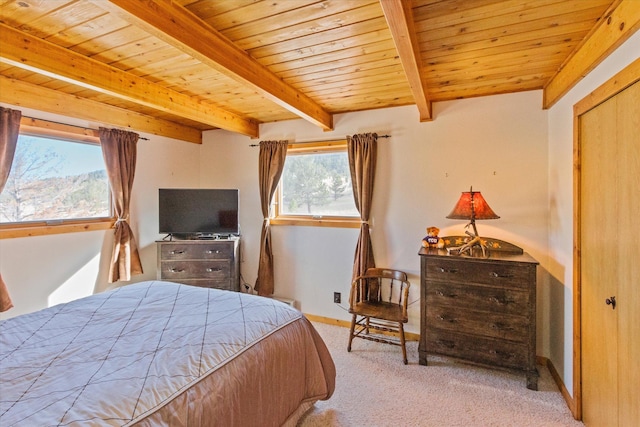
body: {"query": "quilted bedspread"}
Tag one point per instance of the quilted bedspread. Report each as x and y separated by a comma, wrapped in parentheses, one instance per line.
(159, 353)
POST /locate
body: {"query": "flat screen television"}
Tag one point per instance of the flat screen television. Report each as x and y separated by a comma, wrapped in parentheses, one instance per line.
(198, 213)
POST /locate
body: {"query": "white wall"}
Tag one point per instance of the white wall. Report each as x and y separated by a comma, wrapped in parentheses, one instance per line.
(496, 144)
(561, 205)
(46, 270)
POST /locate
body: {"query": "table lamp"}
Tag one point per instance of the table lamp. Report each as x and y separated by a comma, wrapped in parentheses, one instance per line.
(472, 206)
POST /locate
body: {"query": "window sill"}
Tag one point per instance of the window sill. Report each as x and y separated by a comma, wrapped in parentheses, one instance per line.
(43, 229)
(313, 222)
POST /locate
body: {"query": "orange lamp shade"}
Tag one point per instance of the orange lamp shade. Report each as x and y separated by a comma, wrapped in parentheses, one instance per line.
(472, 206)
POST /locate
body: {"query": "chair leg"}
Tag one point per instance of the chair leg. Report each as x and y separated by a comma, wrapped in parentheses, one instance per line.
(402, 342)
(353, 327)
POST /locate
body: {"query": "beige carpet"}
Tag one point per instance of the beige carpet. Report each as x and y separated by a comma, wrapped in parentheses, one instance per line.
(375, 389)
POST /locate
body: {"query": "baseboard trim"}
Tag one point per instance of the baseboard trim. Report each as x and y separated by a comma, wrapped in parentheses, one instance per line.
(411, 336)
(541, 360)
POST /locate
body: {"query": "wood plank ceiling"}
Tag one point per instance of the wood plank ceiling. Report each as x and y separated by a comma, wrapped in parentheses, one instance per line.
(178, 67)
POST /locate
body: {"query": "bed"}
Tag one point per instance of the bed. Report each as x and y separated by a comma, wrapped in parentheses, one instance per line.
(162, 354)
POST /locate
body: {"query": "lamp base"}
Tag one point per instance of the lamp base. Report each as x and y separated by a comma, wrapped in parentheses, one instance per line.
(468, 247)
(475, 246)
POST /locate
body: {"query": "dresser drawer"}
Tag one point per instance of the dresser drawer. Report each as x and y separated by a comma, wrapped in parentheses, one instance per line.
(481, 323)
(482, 298)
(478, 349)
(496, 274)
(211, 269)
(224, 284)
(178, 251)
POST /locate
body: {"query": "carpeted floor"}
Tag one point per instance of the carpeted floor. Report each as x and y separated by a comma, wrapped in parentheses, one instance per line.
(375, 389)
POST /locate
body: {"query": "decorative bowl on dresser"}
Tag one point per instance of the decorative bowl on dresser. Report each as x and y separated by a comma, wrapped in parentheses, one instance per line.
(480, 309)
(210, 263)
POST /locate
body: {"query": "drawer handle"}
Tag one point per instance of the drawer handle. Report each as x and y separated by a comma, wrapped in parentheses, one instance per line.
(211, 270)
(442, 294)
(176, 270)
(177, 252)
(503, 354)
(444, 319)
(448, 270)
(501, 276)
(499, 326)
(501, 301)
(447, 344)
(212, 252)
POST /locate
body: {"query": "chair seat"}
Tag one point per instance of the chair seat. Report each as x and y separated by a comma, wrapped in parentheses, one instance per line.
(379, 309)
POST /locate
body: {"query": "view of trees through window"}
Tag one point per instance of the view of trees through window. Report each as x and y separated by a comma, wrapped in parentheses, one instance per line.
(55, 180)
(317, 184)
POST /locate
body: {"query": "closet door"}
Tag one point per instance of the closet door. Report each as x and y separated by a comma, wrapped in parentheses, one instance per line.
(629, 257)
(610, 270)
(598, 232)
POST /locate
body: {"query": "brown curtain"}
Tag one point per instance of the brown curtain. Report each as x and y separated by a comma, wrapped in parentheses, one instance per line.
(271, 163)
(119, 149)
(9, 130)
(363, 150)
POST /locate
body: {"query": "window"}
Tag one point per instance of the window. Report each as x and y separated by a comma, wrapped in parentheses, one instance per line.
(56, 182)
(315, 188)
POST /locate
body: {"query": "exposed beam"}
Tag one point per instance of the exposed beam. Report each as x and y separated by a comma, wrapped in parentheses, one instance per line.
(399, 16)
(615, 27)
(31, 53)
(174, 24)
(28, 95)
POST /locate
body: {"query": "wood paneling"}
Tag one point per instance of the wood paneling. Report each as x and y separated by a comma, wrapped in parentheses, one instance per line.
(312, 58)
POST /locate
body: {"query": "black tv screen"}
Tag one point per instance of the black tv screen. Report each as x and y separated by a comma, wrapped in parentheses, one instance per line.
(198, 211)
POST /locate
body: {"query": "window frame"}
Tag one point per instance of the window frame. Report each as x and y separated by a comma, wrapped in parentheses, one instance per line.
(277, 218)
(47, 129)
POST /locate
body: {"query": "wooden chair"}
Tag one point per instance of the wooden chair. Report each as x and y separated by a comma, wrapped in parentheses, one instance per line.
(378, 303)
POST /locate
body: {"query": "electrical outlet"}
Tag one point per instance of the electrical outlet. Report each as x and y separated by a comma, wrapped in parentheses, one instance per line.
(337, 297)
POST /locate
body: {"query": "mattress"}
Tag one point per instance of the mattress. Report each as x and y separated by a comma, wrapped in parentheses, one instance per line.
(162, 354)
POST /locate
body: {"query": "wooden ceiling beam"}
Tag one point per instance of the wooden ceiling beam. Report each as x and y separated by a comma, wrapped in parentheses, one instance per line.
(22, 94)
(34, 54)
(399, 16)
(174, 24)
(616, 26)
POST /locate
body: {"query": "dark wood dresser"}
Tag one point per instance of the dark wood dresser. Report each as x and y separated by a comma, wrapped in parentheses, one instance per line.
(480, 309)
(205, 263)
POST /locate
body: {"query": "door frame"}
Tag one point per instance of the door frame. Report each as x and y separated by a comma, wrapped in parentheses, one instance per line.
(622, 80)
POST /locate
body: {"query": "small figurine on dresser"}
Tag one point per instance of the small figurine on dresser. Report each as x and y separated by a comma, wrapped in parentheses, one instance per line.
(431, 240)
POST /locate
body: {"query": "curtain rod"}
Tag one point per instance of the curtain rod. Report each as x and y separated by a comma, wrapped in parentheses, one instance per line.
(75, 126)
(320, 140)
